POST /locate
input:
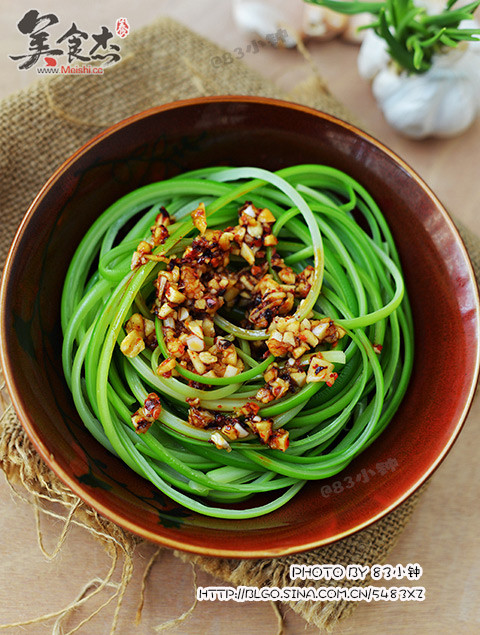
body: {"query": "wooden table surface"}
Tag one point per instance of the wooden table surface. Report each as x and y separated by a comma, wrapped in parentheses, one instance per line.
(443, 533)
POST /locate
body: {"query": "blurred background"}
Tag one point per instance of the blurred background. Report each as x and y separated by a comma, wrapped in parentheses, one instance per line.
(446, 165)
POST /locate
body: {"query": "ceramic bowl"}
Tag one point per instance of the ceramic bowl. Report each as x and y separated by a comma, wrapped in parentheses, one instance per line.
(163, 142)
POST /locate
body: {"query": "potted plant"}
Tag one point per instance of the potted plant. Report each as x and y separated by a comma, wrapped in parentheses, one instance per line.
(424, 66)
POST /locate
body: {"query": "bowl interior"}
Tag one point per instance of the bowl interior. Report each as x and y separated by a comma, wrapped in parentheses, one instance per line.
(241, 131)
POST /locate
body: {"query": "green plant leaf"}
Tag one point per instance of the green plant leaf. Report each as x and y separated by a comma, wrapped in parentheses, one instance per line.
(431, 40)
(349, 8)
(372, 25)
(462, 32)
(397, 51)
(417, 55)
(390, 8)
(408, 20)
(452, 18)
(444, 39)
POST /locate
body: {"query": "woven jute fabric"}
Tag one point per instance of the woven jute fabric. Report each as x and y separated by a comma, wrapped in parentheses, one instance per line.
(39, 128)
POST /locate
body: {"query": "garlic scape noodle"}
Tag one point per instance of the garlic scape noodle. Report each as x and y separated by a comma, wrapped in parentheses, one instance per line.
(235, 331)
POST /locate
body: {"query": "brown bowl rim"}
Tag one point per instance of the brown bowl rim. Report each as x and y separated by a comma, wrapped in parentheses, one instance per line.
(75, 486)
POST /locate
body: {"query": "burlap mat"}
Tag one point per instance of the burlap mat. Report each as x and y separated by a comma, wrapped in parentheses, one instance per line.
(161, 63)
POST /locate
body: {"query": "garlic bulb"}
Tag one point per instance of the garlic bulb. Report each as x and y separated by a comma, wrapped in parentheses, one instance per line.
(441, 102)
(373, 55)
(263, 19)
(322, 23)
(351, 33)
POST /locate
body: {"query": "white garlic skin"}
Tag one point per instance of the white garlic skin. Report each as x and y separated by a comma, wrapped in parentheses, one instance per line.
(373, 56)
(442, 102)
